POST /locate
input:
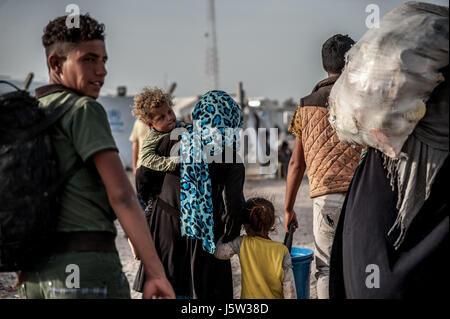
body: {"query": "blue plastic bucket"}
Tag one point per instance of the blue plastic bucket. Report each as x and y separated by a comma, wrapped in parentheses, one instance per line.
(301, 262)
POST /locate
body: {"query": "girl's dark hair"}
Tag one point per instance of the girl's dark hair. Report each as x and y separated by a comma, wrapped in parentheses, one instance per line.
(56, 32)
(261, 217)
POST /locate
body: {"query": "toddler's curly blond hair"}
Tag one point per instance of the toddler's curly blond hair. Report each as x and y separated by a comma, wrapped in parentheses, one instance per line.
(147, 101)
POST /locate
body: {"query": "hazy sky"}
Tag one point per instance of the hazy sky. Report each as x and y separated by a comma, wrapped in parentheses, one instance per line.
(272, 46)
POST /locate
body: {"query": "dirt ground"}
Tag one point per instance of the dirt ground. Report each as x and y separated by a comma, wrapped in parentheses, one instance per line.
(255, 185)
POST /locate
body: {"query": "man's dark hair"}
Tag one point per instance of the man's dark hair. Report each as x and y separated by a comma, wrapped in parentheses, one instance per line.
(333, 52)
(58, 37)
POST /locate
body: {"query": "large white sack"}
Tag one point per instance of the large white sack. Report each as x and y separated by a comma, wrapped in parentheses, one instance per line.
(388, 77)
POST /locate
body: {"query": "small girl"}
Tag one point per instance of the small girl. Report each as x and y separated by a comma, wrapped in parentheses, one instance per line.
(266, 266)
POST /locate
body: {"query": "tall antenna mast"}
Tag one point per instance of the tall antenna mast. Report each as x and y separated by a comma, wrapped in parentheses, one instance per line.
(212, 63)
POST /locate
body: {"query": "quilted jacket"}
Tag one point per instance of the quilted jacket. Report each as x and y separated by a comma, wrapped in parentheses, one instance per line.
(330, 164)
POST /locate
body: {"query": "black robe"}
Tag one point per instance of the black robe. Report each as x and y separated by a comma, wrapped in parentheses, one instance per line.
(193, 272)
(418, 269)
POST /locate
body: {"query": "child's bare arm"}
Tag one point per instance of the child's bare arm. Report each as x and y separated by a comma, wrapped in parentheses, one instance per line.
(289, 290)
(227, 250)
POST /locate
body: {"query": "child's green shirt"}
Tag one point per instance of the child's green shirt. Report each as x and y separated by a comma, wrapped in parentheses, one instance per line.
(148, 155)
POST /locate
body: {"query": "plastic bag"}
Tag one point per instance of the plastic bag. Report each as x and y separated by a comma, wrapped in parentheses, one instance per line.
(389, 74)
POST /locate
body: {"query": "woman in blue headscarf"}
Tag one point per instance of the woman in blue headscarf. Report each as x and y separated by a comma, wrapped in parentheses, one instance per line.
(202, 201)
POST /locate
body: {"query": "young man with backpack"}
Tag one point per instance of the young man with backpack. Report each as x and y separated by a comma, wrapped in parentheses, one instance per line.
(83, 245)
(330, 163)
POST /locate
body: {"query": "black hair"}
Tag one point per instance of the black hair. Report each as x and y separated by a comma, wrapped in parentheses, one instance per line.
(333, 52)
(261, 217)
(57, 34)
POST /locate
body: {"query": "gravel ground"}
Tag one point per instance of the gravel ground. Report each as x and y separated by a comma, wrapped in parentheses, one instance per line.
(255, 185)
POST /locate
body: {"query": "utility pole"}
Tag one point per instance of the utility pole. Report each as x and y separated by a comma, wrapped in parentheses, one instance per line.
(172, 88)
(241, 95)
(212, 60)
(27, 82)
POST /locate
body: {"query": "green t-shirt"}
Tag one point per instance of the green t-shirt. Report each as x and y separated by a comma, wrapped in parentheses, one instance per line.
(80, 133)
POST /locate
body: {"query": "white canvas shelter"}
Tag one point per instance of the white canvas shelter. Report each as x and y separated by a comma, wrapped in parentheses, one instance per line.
(183, 106)
(118, 109)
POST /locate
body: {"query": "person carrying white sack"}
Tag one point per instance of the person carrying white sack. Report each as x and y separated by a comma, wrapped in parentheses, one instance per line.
(392, 236)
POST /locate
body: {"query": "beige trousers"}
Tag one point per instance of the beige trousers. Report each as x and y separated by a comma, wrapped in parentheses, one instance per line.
(326, 211)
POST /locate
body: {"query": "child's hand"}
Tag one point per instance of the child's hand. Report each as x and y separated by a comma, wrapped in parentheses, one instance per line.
(136, 257)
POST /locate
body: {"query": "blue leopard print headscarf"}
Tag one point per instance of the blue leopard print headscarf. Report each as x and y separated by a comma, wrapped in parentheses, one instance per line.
(215, 116)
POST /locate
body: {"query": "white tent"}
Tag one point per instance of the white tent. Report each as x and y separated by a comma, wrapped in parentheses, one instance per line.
(183, 106)
(121, 121)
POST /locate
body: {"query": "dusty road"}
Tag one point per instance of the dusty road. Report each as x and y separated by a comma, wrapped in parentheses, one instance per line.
(255, 185)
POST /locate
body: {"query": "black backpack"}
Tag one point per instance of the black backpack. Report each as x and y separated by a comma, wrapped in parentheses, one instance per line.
(29, 180)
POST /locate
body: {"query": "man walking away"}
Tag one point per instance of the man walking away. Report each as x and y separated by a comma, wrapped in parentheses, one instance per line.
(330, 164)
